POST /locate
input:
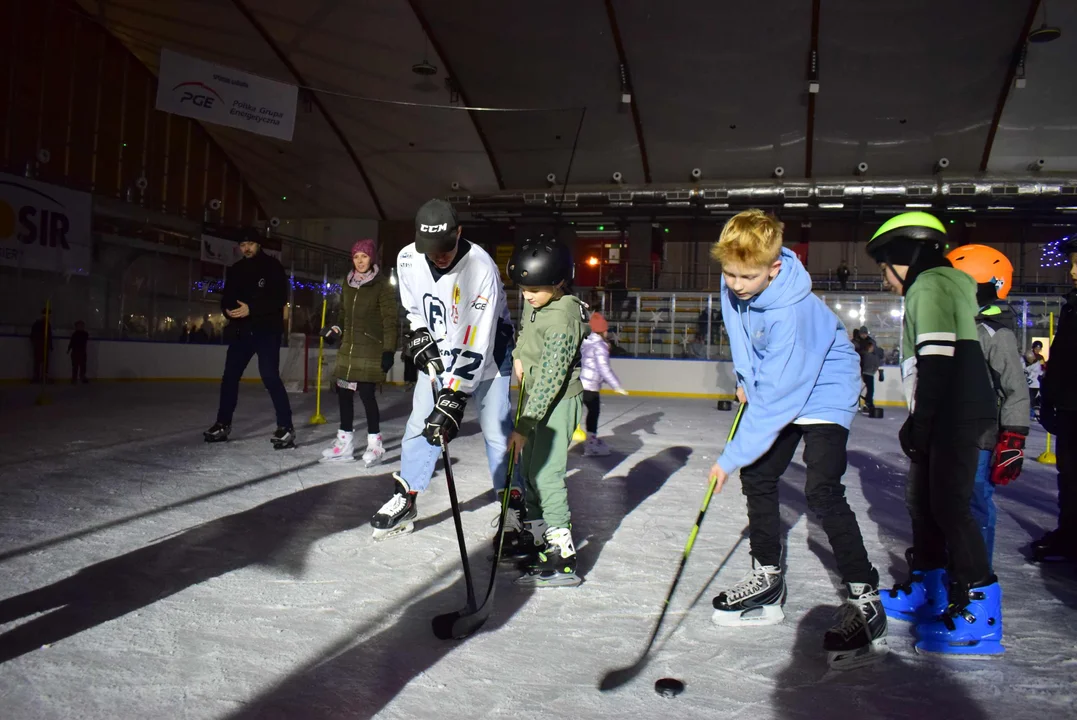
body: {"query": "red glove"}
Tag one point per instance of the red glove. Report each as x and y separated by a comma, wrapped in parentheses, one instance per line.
(1008, 457)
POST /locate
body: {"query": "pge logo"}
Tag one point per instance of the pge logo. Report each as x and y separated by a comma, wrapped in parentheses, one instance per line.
(191, 94)
(40, 218)
(479, 303)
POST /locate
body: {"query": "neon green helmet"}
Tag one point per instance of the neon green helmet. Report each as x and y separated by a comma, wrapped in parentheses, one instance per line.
(907, 236)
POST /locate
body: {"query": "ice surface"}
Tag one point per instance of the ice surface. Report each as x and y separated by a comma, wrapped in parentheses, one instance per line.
(146, 574)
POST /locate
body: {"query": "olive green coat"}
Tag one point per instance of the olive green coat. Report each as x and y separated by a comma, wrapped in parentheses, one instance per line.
(368, 320)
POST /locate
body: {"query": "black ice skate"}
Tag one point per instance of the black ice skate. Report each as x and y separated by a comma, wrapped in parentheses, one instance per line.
(1054, 546)
(859, 638)
(283, 438)
(513, 523)
(396, 516)
(529, 543)
(755, 600)
(218, 433)
(555, 565)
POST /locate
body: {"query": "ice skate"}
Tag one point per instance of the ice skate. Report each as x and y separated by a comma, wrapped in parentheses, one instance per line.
(972, 630)
(283, 438)
(920, 598)
(513, 523)
(595, 447)
(374, 450)
(555, 565)
(342, 450)
(1054, 546)
(218, 433)
(755, 600)
(396, 516)
(859, 638)
(529, 543)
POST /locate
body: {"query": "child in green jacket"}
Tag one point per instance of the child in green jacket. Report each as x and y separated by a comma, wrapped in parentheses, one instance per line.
(546, 359)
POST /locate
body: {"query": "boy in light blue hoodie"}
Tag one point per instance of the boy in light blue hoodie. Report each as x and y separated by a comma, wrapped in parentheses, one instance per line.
(799, 375)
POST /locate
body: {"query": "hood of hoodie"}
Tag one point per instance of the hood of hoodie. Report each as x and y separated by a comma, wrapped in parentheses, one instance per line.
(998, 314)
(792, 285)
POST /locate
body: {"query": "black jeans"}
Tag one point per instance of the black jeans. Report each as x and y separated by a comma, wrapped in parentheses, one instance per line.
(346, 397)
(937, 493)
(869, 391)
(1066, 454)
(245, 345)
(592, 402)
(78, 365)
(826, 461)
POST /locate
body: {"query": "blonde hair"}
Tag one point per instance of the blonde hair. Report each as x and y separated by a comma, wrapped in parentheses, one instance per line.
(750, 238)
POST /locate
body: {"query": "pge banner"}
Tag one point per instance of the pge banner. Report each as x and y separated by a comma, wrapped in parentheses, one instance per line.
(217, 94)
(223, 251)
(44, 227)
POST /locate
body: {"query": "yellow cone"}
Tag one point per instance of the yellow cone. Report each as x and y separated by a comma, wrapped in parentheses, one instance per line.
(579, 435)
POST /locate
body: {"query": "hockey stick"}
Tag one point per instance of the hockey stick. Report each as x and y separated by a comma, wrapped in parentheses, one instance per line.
(459, 624)
(616, 678)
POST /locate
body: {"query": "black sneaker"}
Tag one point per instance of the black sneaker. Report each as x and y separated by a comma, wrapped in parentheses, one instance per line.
(283, 438)
(218, 433)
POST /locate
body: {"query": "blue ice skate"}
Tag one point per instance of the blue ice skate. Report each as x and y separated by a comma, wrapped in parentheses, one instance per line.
(920, 599)
(974, 630)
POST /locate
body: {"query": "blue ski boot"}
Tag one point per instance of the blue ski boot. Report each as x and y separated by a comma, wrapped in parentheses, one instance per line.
(920, 598)
(972, 630)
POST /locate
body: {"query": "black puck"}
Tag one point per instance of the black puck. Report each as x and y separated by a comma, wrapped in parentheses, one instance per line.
(668, 687)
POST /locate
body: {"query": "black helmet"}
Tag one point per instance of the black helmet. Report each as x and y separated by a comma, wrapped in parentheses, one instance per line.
(541, 262)
(905, 237)
(1068, 245)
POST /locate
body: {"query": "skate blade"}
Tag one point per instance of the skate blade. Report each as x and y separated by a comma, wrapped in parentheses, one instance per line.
(853, 659)
(983, 650)
(556, 580)
(343, 459)
(284, 446)
(380, 534)
(371, 463)
(211, 439)
(757, 616)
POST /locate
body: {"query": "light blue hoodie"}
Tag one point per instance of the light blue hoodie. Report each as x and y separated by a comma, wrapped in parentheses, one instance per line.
(792, 357)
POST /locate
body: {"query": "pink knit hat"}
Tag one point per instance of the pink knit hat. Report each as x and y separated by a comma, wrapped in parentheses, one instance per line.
(366, 246)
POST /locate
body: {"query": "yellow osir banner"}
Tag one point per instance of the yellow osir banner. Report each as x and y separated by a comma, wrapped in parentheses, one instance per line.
(45, 227)
(217, 94)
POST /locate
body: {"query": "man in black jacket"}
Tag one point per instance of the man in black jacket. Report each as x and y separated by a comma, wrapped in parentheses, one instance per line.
(254, 295)
(1058, 415)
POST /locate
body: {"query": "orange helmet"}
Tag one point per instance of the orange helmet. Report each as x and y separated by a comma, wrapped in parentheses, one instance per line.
(985, 265)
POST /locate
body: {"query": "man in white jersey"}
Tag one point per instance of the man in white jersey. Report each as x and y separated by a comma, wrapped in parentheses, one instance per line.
(460, 329)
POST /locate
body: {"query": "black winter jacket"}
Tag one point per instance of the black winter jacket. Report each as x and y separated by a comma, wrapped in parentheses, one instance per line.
(260, 282)
(1058, 387)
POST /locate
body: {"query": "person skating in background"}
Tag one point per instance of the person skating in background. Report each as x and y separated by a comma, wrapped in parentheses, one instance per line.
(1058, 415)
(951, 593)
(1034, 366)
(1002, 447)
(41, 345)
(869, 368)
(366, 328)
(77, 348)
(547, 361)
(595, 355)
(461, 331)
(253, 299)
(800, 377)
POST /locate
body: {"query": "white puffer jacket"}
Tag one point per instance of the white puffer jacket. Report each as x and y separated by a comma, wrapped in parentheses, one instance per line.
(595, 357)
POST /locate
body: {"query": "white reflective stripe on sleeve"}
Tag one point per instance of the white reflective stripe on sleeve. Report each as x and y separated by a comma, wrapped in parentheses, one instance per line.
(936, 337)
(947, 350)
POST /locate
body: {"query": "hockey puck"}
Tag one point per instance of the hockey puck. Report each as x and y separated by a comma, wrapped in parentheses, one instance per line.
(877, 413)
(725, 405)
(669, 687)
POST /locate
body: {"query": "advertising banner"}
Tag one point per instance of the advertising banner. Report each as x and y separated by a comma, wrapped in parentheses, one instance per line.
(217, 94)
(45, 227)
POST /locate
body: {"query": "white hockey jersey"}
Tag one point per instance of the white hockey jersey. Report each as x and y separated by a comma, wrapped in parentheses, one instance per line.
(465, 311)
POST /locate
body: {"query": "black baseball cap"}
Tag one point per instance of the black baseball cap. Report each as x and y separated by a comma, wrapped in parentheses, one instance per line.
(435, 227)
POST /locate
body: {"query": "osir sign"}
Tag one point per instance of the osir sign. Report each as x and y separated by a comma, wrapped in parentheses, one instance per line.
(44, 227)
(217, 94)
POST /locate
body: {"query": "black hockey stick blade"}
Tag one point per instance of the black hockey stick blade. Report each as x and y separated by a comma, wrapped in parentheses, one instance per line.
(459, 624)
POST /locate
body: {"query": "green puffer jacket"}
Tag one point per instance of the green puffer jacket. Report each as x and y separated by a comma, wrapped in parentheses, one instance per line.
(368, 320)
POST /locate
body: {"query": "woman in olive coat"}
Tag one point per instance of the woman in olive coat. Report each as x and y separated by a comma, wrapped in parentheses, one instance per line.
(367, 330)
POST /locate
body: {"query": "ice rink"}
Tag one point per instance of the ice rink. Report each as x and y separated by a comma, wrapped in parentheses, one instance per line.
(147, 574)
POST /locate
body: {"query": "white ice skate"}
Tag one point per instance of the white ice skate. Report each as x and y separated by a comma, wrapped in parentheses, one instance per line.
(397, 516)
(595, 447)
(375, 451)
(755, 600)
(342, 449)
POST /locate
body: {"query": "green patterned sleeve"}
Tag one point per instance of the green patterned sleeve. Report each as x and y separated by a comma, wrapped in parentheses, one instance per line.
(558, 354)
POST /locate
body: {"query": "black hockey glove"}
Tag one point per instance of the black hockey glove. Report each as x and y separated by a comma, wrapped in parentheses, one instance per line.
(387, 359)
(444, 421)
(331, 333)
(423, 350)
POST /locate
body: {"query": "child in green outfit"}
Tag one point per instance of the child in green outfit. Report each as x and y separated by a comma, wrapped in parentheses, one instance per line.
(546, 359)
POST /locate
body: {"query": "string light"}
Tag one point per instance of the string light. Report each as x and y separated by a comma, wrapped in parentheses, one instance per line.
(1052, 255)
(217, 286)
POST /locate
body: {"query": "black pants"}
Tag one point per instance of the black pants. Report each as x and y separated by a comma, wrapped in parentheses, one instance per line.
(41, 372)
(1066, 455)
(826, 461)
(937, 493)
(245, 345)
(869, 391)
(78, 366)
(346, 397)
(592, 402)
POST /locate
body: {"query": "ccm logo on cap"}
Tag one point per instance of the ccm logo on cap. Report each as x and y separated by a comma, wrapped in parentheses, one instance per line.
(434, 228)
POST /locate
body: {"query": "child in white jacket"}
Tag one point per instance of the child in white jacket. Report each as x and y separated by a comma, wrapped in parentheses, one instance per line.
(595, 357)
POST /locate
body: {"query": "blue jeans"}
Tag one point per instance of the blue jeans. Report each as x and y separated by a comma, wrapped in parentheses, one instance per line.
(983, 502)
(491, 397)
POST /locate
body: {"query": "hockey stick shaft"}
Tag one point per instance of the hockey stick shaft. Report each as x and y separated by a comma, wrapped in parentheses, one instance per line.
(454, 503)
